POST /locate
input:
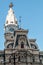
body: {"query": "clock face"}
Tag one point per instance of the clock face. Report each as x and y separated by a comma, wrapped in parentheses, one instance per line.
(11, 29)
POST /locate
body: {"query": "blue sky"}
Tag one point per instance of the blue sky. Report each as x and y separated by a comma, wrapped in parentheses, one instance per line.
(31, 12)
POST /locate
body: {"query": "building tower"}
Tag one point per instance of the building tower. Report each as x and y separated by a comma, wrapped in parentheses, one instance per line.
(10, 26)
(19, 50)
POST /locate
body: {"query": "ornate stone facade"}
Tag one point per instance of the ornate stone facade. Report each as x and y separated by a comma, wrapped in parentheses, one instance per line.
(19, 50)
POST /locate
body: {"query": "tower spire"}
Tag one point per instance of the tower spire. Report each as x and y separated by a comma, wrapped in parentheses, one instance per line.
(11, 19)
(11, 5)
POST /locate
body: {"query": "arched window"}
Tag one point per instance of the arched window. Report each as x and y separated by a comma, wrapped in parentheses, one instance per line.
(33, 46)
(10, 45)
(22, 44)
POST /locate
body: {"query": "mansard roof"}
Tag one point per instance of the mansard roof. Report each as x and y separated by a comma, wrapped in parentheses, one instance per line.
(32, 40)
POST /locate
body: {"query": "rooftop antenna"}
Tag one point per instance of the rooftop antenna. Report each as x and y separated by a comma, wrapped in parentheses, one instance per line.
(11, 5)
(20, 21)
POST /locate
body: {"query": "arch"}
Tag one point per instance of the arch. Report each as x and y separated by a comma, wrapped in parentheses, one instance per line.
(34, 46)
(10, 45)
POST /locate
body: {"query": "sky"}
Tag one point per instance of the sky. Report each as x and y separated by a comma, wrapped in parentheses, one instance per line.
(31, 12)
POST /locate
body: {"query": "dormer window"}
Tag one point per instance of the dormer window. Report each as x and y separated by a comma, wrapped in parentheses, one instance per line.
(33, 46)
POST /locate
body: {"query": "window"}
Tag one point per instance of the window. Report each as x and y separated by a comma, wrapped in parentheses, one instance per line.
(19, 58)
(22, 45)
(33, 59)
(33, 46)
(10, 59)
(16, 22)
(10, 45)
(40, 59)
(7, 22)
(11, 36)
(11, 21)
(11, 29)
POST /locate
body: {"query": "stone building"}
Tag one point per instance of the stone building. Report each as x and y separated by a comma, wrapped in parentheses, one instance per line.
(19, 50)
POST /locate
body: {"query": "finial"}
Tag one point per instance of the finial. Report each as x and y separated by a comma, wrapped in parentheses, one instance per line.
(11, 5)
